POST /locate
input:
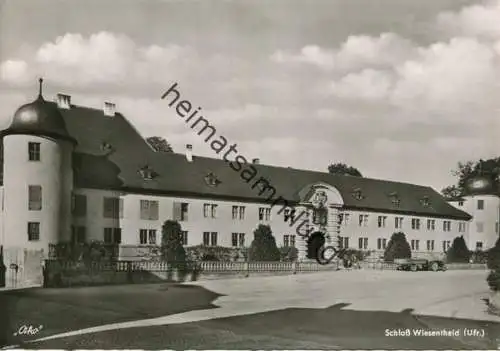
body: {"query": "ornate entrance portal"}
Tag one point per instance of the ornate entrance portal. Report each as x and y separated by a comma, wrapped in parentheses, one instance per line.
(322, 204)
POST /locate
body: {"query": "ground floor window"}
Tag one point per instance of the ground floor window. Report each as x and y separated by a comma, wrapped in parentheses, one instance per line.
(381, 244)
(112, 235)
(415, 245)
(78, 234)
(210, 238)
(33, 231)
(147, 236)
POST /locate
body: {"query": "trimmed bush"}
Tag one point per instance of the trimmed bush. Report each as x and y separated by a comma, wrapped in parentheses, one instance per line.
(171, 244)
(493, 280)
(263, 246)
(289, 253)
(397, 247)
(458, 252)
(494, 256)
(95, 251)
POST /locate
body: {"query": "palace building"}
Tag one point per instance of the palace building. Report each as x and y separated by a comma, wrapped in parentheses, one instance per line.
(72, 173)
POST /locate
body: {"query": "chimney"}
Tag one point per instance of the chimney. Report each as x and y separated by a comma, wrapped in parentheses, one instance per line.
(255, 161)
(189, 152)
(109, 109)
(63, 101)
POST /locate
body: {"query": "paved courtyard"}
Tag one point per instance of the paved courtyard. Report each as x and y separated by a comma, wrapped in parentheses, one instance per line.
(356, 309)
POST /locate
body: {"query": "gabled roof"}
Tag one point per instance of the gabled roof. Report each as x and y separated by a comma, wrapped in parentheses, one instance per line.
(98, 167)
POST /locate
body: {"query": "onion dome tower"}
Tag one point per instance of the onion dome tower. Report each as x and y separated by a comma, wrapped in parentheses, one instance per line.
(38, 177)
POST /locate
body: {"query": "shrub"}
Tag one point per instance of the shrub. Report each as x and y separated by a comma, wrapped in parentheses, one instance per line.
(397, 247)
(494, 256)
(214, 253)
(479, 256)
(171, 244)
(458, 252)
(95, 251)
(263, 246)
(493, 280)
(289, 254)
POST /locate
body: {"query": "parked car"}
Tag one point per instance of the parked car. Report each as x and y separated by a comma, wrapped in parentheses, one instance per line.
(415, 264)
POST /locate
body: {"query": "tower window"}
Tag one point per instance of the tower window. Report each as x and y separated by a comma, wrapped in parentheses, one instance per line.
(34, 151)
(34, 197)
(33, 231)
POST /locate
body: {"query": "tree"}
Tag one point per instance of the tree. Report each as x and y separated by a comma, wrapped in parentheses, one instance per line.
(263, 246)
(458, 252)
(465, 170)
(159, 144)
(171, 243)
(493, 278)
(397, 247)
(344, 169)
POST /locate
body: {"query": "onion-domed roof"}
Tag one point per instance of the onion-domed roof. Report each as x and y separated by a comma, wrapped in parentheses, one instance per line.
(480, 185)
(39, 117)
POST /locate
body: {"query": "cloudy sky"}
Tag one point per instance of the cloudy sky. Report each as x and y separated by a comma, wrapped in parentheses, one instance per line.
(402, 90)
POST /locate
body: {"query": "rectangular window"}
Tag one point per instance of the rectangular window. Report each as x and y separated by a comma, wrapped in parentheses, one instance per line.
(33, 231)
(415, 245)
(206, 238)
(381, 221)
(480, 204)
(234, 239)
(480, 227)
(238, 212)
(112, 235)
(34, 198)
(289, 215)
(379, 244)
(446, 245)
(431, 224)
(461, 227)
(415, 223)
(213, 239)
(79, 205)
(184, 236)
(430, 245)
(149, 210)
(496, 227)
(384, 244)
(363, 220)
(398, 222)
(286, 240)
(363, 243)
(180, 211)
(479, 245)
(112, 207)
(460, 203)
(33, 151)
(143, 236)
(446, 226)
(241, 239)
(264, 214)
(209, 210)
(152, 236)
(78, 234)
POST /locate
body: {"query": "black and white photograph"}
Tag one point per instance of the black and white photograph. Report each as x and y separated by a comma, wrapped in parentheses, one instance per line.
(250, 174)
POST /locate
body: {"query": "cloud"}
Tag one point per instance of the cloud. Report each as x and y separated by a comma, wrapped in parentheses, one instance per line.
(102, 58)
(356, 52)
(390, 105)
(481, 21)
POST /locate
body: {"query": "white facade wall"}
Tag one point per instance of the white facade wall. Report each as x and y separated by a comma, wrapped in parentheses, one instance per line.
(53, 173)
(196, 224)
(224, 225)
(485, 210)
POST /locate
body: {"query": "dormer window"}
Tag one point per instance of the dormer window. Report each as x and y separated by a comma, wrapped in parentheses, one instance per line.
(425, 201)
(147, 173)
(357, 194)
(395, 199)
(212, 180)
(106, 147)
